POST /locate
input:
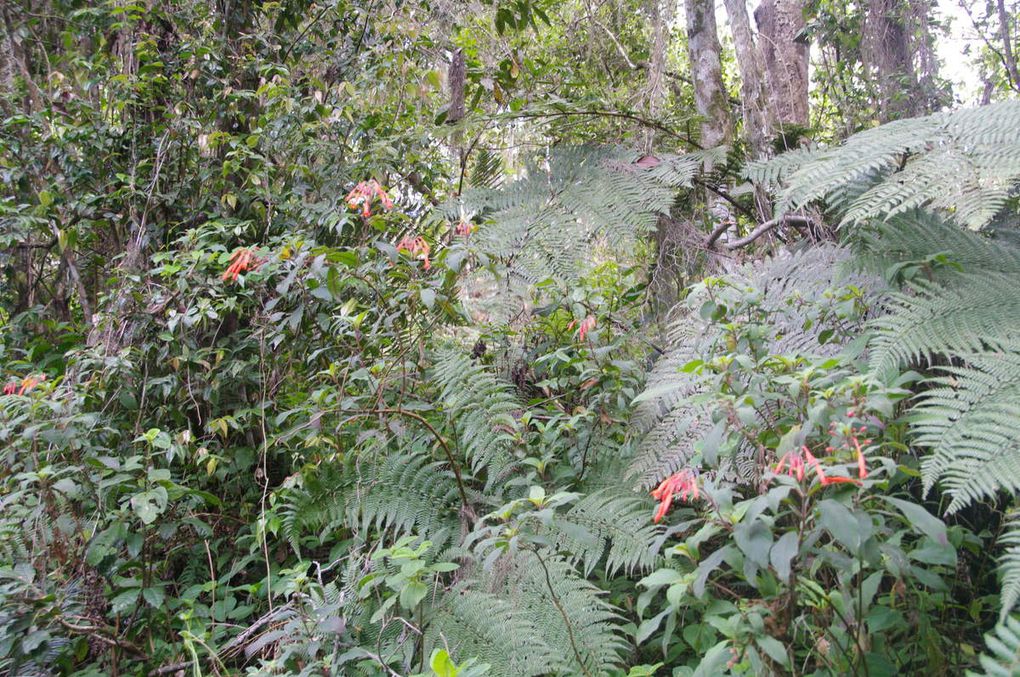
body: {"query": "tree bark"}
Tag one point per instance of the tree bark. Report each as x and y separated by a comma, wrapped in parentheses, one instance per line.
(750, 63)
(887, 55)
(455, 80)
(1008, 57)
(704, 51)
(785, 54)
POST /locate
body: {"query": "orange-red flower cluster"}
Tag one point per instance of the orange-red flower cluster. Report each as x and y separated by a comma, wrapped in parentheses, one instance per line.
(464, 228)
(855, 442)
(587, 324)
(364, 194)
(416, 247)
(684, 483)
(241, 260)
(795, 462)
(26, 385)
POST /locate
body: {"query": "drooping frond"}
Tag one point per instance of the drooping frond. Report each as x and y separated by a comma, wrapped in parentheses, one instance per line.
(544, 223)
(482, 409)
(968, 314)
(1002, 659)
(318, 506)
(532, 616)
(964, 164)
(968, 421)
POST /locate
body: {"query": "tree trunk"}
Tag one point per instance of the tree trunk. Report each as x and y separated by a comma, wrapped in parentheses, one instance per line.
(785, 54)
(1008, 57)
(887, 55)
(757, 125)
(704, 51)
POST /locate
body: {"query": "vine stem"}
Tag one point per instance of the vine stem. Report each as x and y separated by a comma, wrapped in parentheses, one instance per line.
(566, 619)
(435, 433)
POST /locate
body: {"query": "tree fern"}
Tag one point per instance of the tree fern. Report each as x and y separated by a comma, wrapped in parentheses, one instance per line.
(917, 237)
(968, 420)
(482, 410)
(610, 524)
(318, 506)
(963, 164)
(964, 322)
(406, 493)
(1009, 564)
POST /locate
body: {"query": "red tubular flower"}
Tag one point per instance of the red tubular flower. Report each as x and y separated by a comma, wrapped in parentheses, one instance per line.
(363, 194)
(417, 247)
(28, 384)
(862, 464)
(242, 260)
(10, 388)
(463, 228)
(587, 324)
(795, 462)
(684, 482)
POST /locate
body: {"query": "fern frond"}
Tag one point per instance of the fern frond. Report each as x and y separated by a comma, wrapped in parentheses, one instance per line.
(1002, 658)
(977, 309)
(1009, 564)
(533, 615)
(544, 223)
(482, 408)
(319, 505)
(406, 493)
(672, 418)
(968, 421)
(963, 164)
(611, 524)
(917, 236)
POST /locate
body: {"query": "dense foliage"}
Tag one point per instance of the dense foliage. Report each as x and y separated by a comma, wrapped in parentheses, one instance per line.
(395, 339)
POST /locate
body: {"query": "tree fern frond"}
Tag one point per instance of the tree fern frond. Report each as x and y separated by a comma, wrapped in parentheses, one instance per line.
(1009, 564)
(671, 418)
(406, 493)
(964, 164)
(319, 505)
(917, 236)
(975, 310)
(612, 524)
(968, 421)
(532, 615)
(1002, 658)
(482, 408)
(545, 222)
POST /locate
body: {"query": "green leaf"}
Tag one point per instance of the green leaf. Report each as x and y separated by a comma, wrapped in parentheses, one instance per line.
(441, 664)
(921, 519)
(774, 649)
(413, 593)
(783, 552)
(844, 525)
(153, 596)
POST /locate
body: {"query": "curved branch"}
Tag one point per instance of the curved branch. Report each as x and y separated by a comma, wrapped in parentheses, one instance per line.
(766, 227)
